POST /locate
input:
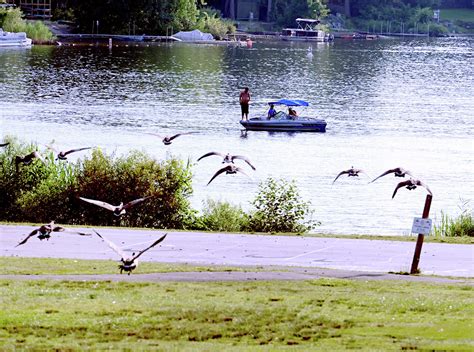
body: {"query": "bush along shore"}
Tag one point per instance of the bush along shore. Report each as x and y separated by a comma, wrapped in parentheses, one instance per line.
(39, 187)
(44, 188)
(11, 21)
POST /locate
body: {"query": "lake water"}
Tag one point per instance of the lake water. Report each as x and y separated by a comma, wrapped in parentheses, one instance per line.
(387, 103)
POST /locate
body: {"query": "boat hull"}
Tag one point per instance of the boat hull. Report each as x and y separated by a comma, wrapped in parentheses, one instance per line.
(315, 125)
(303, 39)
(8, 39)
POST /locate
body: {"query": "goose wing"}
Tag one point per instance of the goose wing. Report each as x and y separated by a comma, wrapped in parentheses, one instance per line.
(134, 202)
(78, 233)
(419, 183)
(211, 153)
(241, 171)
(385, 173)
(400, 185)
(99, 203)
(153, 245)
(224, 169)
(75, 150)
(112, 245)
(37, 155)
(340, 174)
(244, 158)
(179, 134)
(360, 171)
(34, 232)
(155, 134)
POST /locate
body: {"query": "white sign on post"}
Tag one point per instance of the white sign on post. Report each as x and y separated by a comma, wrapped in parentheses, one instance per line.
(422, 226)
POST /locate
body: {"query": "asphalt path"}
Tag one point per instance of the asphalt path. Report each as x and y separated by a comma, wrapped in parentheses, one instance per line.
(347, 255)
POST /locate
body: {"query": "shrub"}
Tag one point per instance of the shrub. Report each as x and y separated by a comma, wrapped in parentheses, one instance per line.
(463, 225)
(168, 183)
(41, 192)
(222, 216)
(11, 21)
(210, 21)
(278, 208)
(13, 183)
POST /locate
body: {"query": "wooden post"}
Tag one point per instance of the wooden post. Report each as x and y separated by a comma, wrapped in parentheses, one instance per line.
(419, 241)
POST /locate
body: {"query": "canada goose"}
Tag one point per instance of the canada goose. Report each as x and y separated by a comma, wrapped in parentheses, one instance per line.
(129, 263)
(167, 139)
(399, 172)
(4, 144)
(118, 210)
(410, 184)
(227, 158)
(45, 232)
(27, 159)
(350, 172)
(62, 155)
(229, 169)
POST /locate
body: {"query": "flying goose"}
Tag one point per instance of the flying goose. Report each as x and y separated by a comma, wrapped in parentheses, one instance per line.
(350, 172)
(117, 209)
(27, 159)
(61, 155)
(167, 139)
(129, 263)
(45, 232)
(227, 158)
(410, 184)
(229, 169)
(399, 172)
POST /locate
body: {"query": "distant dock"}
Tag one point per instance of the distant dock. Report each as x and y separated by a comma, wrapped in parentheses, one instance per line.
(104, 38)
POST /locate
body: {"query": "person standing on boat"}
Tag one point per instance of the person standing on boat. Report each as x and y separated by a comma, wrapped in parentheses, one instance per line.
(244, 100)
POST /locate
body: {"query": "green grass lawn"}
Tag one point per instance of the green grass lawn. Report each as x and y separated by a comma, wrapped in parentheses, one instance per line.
(324, 314)
(456, 14)
(55, 266)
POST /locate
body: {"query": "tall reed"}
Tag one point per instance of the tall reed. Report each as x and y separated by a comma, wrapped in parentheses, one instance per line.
(462, 225)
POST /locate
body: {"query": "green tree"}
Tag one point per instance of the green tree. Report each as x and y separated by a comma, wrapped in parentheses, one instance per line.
(285, 12)
(136, 16)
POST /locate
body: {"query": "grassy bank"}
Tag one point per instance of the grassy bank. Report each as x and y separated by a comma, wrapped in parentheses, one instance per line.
(325, 314)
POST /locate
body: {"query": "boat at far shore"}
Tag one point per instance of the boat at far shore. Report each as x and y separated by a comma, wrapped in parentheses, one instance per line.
(284, 122)
(9, 39)
(307, 31)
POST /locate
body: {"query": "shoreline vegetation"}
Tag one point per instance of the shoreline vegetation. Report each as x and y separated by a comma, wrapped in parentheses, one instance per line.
(48, 189)
(368, 17)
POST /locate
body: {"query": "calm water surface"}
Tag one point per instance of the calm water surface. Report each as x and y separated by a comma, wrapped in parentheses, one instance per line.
(387, 103)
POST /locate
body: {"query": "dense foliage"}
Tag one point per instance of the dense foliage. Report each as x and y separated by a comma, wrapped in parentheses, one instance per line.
(279, 208)
(146, 17)
(222, 216)
(285, 12)
(49, 190)
(210, 21)
(11, 21)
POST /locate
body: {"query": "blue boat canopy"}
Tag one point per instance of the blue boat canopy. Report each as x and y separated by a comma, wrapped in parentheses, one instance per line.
(288, 102)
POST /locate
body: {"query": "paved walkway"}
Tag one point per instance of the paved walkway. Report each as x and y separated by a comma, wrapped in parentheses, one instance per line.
(348, 255)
